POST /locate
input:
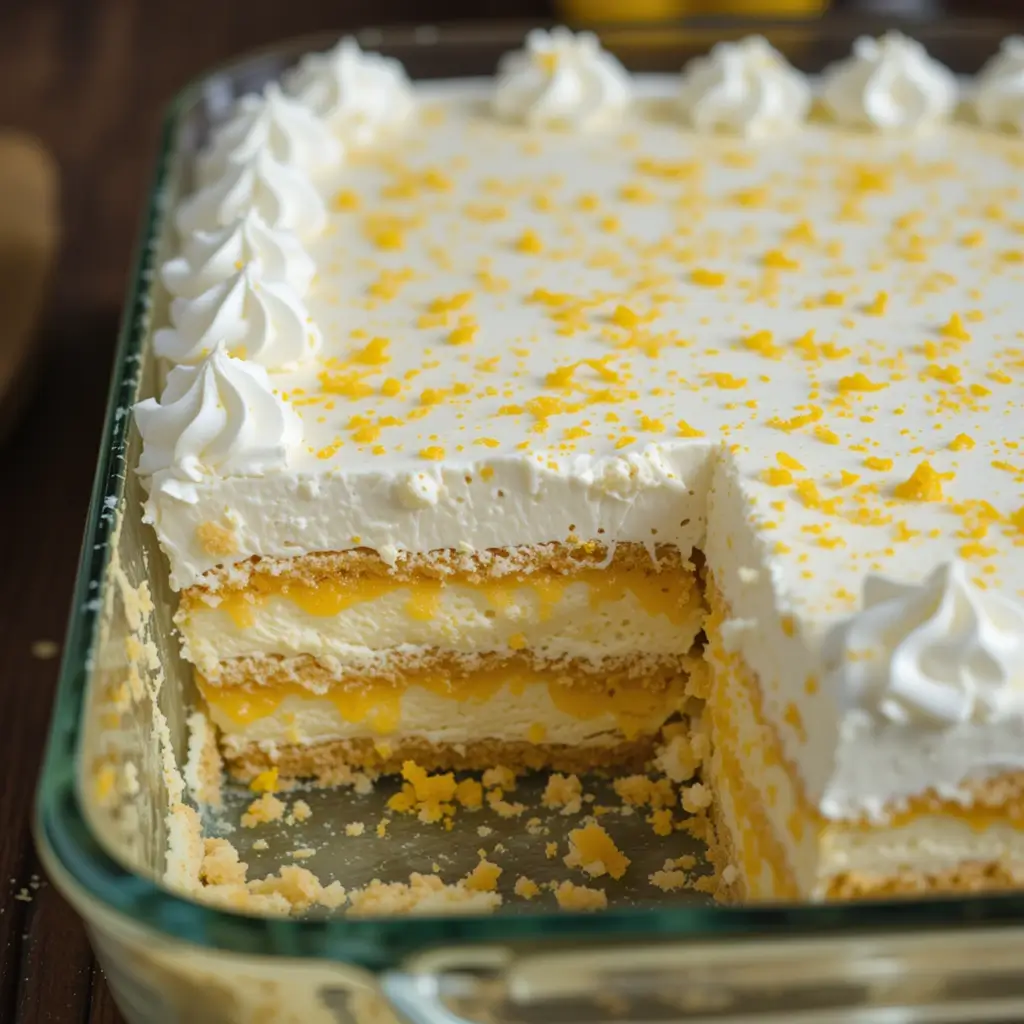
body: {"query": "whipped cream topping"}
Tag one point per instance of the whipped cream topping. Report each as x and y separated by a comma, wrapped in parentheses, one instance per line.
(746, 88)
(275, 124)
(889, 85)
(561, 80)
(359, 95)
(932, 654)
(211, 257)
(220, 418)
(262, 321)
(283, 196)
(999, 89)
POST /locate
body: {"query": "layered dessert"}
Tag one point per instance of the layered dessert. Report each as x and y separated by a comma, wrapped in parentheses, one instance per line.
(575, 419)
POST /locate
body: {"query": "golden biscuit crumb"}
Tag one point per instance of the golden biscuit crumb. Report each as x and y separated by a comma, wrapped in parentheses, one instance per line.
(262, 811)
(565, 792)
(594, 851)
(484, 877)
(580, 897)
(526, 888)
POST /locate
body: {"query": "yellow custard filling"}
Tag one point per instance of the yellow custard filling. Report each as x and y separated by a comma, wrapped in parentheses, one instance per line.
(378, 705)
(671, 594)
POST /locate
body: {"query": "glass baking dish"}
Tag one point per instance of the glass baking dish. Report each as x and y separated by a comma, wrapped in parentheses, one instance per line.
(122, 706)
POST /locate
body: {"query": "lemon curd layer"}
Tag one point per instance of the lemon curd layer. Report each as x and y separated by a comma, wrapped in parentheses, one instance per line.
(513, 704)
(590, 617)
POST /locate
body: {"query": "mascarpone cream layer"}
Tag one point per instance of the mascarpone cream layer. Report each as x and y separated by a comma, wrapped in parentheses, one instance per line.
(555, 620)
(529, 713)
(800, 354)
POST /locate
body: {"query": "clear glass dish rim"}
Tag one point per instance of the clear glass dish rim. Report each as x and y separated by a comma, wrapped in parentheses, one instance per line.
(61, 827)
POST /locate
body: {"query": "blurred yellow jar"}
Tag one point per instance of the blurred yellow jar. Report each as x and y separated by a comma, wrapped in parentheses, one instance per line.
(659, 10)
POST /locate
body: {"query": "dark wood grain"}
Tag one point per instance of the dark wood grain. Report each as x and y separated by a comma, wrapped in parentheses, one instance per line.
(91, 79)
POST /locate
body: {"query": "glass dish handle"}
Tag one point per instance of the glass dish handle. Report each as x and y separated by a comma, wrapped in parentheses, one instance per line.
(926, 976)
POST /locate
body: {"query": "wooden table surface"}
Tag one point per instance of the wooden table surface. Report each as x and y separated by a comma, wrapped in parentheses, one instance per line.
(91, 79)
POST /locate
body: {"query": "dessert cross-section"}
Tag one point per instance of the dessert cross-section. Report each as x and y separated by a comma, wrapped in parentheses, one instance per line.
(582, 420)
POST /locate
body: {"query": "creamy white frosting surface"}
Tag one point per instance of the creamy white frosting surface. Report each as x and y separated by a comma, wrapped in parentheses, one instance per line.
(889, 85)
(801, 354)
(746, 88)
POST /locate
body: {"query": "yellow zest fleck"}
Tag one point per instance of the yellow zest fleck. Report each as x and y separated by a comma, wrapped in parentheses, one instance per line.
(374, 353)
(463, 335)
(391, 387)
(685, 430)
(801, 232)
(387, 237)
(924, 484)
(859, 382)
(778, 260)
(623, 316)
(763, 343)
(750, 197)
(625, 441)
(812, 415)
(777, 477)
(726, 381)
(833, 299)
(788, 462)
(962, 442)
(878, 305)
(972, 239)
(876, 462)
(435, 453)
(707, 278)
(823, 433)
(351, 385)
(450, 303)
(634, 192)
(529, 242)
(345, 199)
(954, 328)
(948, 374)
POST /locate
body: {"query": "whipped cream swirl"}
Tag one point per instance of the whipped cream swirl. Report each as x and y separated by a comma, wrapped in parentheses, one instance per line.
(561, 80)
(931, 654)
(210, 257)
(889, 85)
(275, 124)
(746, 88)
(218, 418)
(262, 321)
(283, 196)
(359, 95)
(999, 88)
